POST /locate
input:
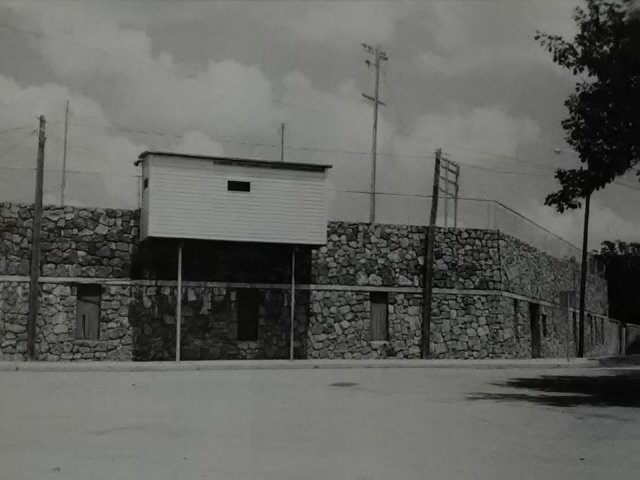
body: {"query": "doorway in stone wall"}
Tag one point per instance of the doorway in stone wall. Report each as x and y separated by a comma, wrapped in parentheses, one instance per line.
(534, 315)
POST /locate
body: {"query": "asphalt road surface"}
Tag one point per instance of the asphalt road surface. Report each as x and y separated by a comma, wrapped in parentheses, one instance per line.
(431, 423)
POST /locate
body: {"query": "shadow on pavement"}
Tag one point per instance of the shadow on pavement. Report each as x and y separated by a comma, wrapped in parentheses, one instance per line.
(618, 389)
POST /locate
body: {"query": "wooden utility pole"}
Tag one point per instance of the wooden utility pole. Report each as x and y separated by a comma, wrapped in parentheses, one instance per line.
(446, 195)
(583, 276)
(428, 261)
(378, 56)
(63, 182)
(282, 142)
(35, 246)
(450, 167)
(456, 191)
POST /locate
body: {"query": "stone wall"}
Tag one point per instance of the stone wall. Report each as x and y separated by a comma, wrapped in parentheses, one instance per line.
(465, 325)
(209, 328)
(340, 326)
(393, 255)
(56, 327)
(468, 326)
(472, 317)
(528, 271)
(138, 322)
(76, 242)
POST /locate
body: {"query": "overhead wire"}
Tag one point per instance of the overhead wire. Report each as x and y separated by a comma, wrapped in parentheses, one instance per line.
(14, 129)
(192, 77)
(16, 144)
(130, 130)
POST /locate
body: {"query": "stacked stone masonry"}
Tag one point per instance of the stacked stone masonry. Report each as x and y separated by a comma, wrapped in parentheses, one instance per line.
(485, 285)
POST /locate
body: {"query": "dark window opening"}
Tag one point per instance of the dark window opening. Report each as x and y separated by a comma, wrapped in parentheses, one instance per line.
(379, 316)
(543, 321)
(237, 186)
(534, 322)
(574, 317)
(515, 317)
(145, 183)
(88, 312)
(248, 302)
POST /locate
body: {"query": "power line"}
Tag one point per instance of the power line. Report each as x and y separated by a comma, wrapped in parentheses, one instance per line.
(131, 130)
(126, 129)
(14, 129)
(69, 39)
(16, 144)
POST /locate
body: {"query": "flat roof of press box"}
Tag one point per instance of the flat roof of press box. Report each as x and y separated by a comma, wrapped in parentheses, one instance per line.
(237, 161)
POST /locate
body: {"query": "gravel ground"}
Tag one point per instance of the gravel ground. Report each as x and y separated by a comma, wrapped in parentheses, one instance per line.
(393, 423)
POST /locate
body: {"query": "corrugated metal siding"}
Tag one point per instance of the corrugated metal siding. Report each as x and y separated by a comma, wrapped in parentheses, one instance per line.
(188, 198)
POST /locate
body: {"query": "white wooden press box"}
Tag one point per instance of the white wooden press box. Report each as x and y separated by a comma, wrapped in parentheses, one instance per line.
(217, 198)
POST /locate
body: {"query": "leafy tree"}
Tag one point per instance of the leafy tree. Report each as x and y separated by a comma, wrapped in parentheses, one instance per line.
(603, 125)
(622, 261)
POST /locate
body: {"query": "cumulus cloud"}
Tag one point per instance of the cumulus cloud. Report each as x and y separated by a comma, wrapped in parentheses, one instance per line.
(604, 224)
(197, 143)
(136, 96)
(465, 134)
(98, 162)
(465, 39)
(226, 102)
(348, 23)
(84, 46)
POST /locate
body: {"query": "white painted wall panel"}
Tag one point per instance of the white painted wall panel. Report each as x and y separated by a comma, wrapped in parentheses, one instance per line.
(188, 198)
(144, 203)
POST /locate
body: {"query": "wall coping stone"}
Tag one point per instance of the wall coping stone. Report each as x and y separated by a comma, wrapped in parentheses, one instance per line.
(285, 286)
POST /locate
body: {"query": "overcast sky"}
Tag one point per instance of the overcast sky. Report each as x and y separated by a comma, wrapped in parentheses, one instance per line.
(219, 78)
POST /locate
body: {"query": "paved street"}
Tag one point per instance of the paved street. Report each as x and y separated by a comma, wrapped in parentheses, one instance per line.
(439, 423)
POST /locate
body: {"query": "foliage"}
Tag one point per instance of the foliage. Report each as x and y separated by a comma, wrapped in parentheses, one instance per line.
(603, 125)
(622, 262)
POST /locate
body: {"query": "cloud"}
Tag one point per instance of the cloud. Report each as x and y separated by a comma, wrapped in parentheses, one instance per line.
(604, 224)
(227, 102)
(197, 143)
(127, 94)
(98, 162)
(483, 36)
(82, 46)
(346, 24)
(467, 134)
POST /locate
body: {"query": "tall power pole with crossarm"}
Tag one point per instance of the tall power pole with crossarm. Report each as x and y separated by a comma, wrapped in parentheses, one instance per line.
(378, 57)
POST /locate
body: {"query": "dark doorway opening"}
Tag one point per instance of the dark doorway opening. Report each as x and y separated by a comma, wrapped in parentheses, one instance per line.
(88, 311)
(534, 320)
(248, 301)
(379, 316)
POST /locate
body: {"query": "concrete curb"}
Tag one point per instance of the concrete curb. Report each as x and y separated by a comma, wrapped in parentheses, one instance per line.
(127, 366)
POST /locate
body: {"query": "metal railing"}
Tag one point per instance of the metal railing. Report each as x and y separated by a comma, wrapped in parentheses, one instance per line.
(472, 213)
(123, 191)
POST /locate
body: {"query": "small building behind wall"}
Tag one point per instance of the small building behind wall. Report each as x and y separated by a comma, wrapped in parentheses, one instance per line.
(243, 208)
